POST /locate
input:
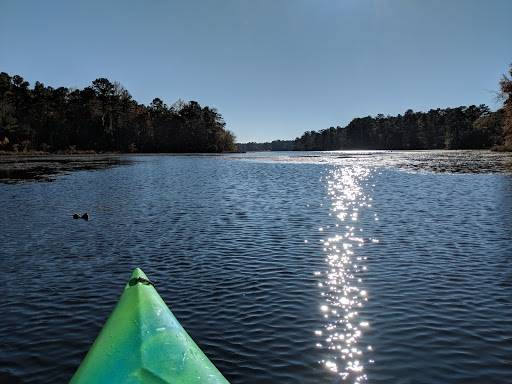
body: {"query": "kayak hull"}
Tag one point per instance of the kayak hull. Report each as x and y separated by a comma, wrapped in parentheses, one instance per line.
(142, 342)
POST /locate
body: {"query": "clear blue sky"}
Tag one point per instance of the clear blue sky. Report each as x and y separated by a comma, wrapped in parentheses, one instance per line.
(273, 68)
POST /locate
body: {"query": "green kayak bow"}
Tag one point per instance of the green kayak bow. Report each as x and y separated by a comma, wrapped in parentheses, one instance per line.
(142, 342)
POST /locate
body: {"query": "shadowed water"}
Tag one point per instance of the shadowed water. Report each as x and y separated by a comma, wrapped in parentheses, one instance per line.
(283, 269)
(19, 168)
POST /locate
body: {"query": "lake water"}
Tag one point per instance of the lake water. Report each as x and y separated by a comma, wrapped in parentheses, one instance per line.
(353, 267)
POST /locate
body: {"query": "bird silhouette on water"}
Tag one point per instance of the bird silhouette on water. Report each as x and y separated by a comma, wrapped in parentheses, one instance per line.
(84, 216)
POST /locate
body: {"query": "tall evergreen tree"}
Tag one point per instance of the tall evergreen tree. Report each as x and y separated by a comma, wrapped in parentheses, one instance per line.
(506, 91)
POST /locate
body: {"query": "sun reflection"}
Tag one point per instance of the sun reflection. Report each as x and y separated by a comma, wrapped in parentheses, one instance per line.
(342, 286)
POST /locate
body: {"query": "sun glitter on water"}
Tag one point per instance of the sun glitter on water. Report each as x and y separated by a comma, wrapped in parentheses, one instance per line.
(343, 295)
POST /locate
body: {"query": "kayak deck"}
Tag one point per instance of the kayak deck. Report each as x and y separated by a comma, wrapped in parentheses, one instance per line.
(142, 342)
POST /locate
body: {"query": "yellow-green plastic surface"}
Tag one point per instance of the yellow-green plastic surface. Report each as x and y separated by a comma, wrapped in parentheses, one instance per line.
(142, 342)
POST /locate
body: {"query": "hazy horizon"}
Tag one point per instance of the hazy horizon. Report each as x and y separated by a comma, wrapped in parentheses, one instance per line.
(273, 69)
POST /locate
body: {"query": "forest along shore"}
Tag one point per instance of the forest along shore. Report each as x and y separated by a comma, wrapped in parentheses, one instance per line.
(464, 127)
(103, 117)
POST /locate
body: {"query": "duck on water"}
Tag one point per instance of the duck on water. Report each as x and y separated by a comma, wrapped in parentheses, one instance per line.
(84, 216)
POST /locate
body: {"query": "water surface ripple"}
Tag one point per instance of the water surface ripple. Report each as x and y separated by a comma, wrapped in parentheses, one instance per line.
(283, 271)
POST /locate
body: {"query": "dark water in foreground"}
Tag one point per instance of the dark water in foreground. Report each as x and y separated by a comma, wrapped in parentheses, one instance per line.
(284, 270)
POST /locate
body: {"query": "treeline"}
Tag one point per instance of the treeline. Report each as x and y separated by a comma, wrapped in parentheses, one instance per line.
(103, 117)
(472, 127)
(276, 145)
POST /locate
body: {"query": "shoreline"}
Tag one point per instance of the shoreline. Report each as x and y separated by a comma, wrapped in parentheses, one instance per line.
(3, 154)
(22, 167)
(93, 153)
(40, 166)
